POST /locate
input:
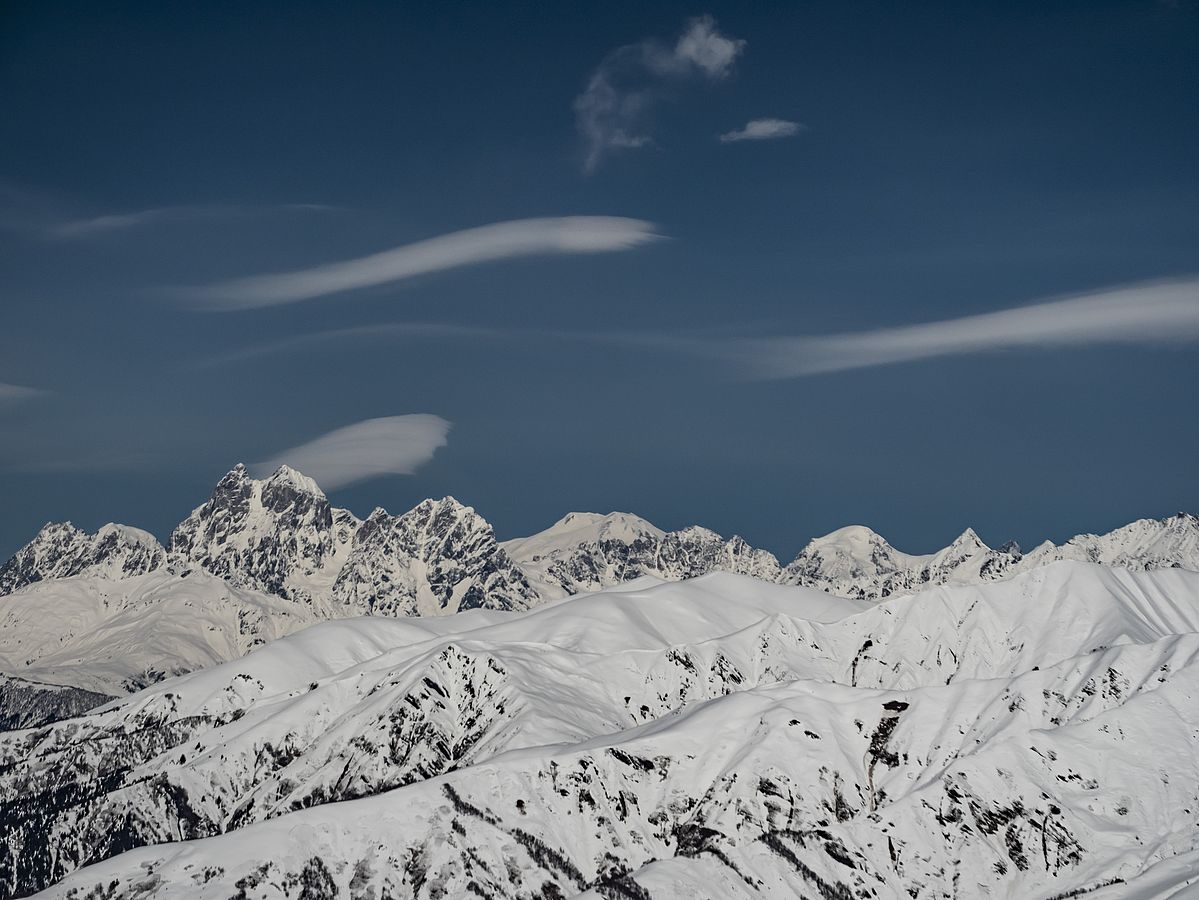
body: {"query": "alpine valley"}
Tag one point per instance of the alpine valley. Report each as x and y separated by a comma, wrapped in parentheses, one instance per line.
(285, 700)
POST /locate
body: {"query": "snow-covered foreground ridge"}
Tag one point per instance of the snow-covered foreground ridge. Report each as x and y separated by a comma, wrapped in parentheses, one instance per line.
(264, 557)
(718, 737)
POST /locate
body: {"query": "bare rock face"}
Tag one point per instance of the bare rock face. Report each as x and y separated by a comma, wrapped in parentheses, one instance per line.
(279, 535)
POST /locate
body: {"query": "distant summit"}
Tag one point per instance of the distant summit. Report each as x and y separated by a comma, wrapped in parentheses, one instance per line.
(281, 536)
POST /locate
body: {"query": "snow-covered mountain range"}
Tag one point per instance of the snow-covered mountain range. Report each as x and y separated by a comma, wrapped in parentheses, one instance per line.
(602, 710)
(262, 558)
(725, 736)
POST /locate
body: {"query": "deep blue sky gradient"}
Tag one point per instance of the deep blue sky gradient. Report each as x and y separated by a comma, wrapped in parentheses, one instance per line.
(958, 158)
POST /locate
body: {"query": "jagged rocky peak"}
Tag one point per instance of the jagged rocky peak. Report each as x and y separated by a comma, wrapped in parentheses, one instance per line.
(279, 534)
(965, 546)
(969, 541)
(696, 550)
(288, 490)
(60, 550)
(438, 558)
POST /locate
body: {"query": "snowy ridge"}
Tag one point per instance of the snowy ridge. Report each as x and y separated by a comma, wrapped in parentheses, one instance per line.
(716, 737)
(265, 557)
(113, 637)
(857, 562)
(588, 552)
(281, 536)
(60, 550)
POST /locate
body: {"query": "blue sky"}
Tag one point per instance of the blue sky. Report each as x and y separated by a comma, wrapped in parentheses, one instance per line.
(161, 164)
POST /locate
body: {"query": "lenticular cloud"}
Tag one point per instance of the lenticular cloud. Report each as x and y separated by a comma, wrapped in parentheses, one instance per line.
(1153, 313)
(488, 243)
(392, 445)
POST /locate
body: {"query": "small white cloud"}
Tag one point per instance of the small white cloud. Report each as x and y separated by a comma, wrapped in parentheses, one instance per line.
(503, 240)
(705, 47)
(615, 109)
(762, 130)
(392, 445)
(1160, 312)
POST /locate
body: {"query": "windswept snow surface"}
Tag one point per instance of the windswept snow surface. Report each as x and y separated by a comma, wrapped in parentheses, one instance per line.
(718, 737)
(113, 637)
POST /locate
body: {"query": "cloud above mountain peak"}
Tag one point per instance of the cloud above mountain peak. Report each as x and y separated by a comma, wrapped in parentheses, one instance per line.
(390, 445)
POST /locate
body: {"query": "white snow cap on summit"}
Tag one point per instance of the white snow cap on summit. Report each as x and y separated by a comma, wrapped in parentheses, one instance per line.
(128, 533)
(285, 474)
(848, 536)
(581, 528)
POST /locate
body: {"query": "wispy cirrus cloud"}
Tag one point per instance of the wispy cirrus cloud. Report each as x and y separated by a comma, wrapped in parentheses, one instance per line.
(615, 109)
(125, 221)
(1160, 312)
(45, 216)
(392, 445)
(489, 243)
(10, 393)
(762, 130)
(380, 331)
(97, 225)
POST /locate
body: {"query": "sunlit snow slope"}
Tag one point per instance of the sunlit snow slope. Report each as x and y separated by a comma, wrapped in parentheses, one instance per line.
(718, 737)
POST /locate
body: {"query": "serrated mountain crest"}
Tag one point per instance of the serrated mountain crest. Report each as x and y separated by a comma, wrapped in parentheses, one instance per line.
(60, 550)
(279, 535)
(439, 557)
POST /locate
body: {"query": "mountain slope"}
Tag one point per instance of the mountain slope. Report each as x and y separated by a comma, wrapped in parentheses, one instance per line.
(720, 736)
(280, 538)
(28, 704)
(112, 637)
